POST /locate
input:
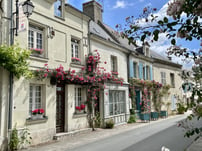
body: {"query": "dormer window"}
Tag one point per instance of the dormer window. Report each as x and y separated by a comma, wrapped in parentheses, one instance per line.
(59, 8)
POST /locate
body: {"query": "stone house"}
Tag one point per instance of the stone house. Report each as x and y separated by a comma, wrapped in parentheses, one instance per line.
(114, 101)
(167, 72)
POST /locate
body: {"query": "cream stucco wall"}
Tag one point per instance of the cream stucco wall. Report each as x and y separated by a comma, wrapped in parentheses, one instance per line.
(57, 51)
(174, 91)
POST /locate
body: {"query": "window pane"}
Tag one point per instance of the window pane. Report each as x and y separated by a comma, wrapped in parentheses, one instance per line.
(57, 8)
(39, 41)
(31, 39)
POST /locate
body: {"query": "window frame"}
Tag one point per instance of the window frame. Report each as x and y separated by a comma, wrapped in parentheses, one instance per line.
(163, 78)
(32, 96)
(114, 64)
(78, 99)
(172, 80)
(36, 30)
(59, 13)
(118, 106)
(135, 69)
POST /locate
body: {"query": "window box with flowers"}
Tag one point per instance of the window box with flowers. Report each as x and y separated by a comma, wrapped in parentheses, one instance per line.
(80, 109)
(36, 52)
(76, 60)
(37, 114)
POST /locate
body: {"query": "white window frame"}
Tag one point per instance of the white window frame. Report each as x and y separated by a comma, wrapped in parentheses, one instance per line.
(135, 70)
(114, 64)
(118, 102)
(79, 98)
(163, 78)
(57, 12)
(36, 30)
(33, 97)
(75, 48)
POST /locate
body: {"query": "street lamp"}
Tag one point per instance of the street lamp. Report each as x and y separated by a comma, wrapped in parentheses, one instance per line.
(27, 7)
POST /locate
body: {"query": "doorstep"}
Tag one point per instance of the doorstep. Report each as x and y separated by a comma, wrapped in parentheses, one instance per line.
(62, 136)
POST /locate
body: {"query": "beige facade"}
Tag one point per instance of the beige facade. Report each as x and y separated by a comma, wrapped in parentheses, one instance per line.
(172, 77)
(57, 34)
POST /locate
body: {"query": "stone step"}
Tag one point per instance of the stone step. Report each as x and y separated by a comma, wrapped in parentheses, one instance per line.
(62, 136)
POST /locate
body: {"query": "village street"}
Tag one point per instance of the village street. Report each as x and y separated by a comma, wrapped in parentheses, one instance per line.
(139, 136)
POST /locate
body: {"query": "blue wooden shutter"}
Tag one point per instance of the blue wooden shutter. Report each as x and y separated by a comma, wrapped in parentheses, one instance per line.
(151, 73)
(140, 70)
(131, 69)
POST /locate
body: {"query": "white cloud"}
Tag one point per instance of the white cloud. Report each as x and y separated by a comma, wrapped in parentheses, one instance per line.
(122, 4)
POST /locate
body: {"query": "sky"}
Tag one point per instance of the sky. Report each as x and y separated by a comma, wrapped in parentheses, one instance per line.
(115, 12)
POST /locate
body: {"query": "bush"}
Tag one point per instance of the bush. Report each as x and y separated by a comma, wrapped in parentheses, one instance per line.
(97, 120)
(132, 111)
(180, 108)
(132, 119)
(109, 123)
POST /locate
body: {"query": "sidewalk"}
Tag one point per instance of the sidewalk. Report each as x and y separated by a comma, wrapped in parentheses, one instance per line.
(90, 136)
(196, 146)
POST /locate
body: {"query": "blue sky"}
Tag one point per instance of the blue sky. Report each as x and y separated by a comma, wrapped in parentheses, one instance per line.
(115, 12)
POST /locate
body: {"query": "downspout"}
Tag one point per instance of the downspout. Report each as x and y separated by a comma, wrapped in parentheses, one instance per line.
(89, 36)
(11, 74)
(128, 73)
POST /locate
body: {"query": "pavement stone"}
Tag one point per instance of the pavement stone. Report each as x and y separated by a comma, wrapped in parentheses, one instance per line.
(87, 137)
(196, 146)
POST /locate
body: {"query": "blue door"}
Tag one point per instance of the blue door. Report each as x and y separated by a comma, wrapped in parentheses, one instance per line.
(137, 99)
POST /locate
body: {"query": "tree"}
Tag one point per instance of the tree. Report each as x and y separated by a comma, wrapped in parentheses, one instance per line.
(183, 20)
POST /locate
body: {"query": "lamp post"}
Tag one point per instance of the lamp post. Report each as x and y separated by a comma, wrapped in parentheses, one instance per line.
(27, 7)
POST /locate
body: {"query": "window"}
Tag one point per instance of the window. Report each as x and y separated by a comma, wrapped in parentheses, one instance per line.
(144, 73)
(58, 8)
(135, 69)
(147, 73)
(75, 48)
(113, 63)
(172, 80)
(79, 103)
(35, 97)
(116, 102)
(163, 78)
(36, 40)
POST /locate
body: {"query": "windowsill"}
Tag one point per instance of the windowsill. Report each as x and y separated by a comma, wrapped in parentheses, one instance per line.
(31, 121)
(38, 58)
(61, 18)
(78, 115)
(72, 64)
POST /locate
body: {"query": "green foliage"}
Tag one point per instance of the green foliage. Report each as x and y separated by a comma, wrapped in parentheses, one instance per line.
(14, 140)
(97, 119)
(180, 108)
(109, 123)
(14, 59)
(132, 119)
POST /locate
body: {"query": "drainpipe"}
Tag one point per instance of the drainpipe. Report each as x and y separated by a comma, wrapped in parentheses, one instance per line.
(10, 109)
(89, 35)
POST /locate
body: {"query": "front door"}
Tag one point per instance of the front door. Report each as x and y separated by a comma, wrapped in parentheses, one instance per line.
(60, 108)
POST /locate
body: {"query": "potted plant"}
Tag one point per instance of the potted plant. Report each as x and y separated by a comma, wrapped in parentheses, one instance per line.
(80, 109)
(36, 51)
(76, 60)
(37, 113)
(154, 115)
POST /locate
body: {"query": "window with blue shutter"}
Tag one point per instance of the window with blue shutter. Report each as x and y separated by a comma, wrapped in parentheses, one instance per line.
(151, 73)
(131, 69)
(140, 70)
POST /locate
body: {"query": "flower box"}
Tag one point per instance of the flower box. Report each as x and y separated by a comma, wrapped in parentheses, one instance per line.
(36, 52)
(76, 60)
(164, 114)
(154, 115)
(145, 116)
(37, 116)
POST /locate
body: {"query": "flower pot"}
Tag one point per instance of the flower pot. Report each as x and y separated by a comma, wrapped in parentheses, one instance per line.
(164, 114)
(154, 115)
(145, 116)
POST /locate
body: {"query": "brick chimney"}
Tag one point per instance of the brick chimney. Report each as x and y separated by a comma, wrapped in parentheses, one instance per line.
(94, 10)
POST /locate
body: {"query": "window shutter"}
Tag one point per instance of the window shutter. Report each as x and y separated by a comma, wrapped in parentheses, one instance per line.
(151, 73)
(145, 71)
(131, 69)
(140, 70)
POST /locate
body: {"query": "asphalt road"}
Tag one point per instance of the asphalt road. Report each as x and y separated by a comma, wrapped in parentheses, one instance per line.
(148, 138)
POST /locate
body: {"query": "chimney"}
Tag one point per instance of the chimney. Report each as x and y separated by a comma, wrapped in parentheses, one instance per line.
(94, 10)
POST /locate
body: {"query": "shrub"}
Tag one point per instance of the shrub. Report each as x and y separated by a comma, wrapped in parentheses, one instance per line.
(180, 108)
(109, 123)
(132, 119)
(132, 111)
(97, 120)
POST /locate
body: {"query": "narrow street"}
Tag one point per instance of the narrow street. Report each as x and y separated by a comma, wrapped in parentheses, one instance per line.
(148, 138)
